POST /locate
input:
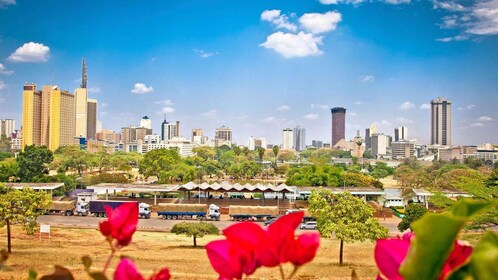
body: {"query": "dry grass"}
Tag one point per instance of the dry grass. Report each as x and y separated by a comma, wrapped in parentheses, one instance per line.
(153, 250)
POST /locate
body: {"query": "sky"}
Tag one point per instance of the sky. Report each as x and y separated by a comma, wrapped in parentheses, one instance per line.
(260, 66)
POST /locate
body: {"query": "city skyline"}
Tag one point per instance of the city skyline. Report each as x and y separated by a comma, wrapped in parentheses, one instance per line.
(383, 70)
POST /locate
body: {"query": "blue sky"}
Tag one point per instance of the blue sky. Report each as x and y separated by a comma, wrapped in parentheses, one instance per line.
(261, 66)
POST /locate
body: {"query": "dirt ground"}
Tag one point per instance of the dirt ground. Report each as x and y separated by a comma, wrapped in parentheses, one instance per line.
(154, 250)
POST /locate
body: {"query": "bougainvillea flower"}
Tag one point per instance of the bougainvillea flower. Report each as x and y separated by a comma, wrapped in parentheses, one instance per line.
(281, 234)
(127, 270)
(121, 223)
(229, 260)
(305, 248)
(390, 254)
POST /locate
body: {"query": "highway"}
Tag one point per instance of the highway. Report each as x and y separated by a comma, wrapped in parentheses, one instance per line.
(157, 224)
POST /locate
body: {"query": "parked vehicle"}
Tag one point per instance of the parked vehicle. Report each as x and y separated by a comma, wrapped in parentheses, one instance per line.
(68, 208)
(307, 216)
(173, 211)
(245, 213)
(270, 221)
(97, 207)
(308, 225)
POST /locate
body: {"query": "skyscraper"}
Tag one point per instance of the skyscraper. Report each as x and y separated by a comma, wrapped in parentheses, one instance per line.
(338, 124)
(91, 126)
(7, 127)
(441, 122)
(169, 130)
(368, 136)
(81, 103)
(223, 133)
(299, 138)
(48, 117)
(146, 122)
(400, 133)
(198, 136)
(287, 139)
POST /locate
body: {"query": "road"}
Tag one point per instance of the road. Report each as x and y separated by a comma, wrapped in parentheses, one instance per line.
(157, 224)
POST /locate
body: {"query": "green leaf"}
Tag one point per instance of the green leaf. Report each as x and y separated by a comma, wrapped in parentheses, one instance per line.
(485, 257)
(435, 236)
(32, 275)
(87, 262)
(469, 207)
(61, 273)
(98, 276)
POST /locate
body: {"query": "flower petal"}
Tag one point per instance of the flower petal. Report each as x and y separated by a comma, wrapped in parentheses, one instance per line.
(306, 246)
(389, 254)
(124, 220)
(218, 252)
(127, 270)
(163, 274)
(458, 257)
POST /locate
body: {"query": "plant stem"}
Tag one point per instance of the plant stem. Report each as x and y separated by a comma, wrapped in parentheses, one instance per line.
(108, 262)
(282, 275)
(294, 271)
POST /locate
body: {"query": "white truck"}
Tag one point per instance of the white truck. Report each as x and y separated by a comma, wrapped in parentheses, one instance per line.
(69, 208)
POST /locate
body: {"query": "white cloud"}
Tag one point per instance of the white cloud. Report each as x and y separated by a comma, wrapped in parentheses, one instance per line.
(397, 2)
(31, 52)
(406, 106)
(283, 108)
(168, 110)
(448, 5)
(385, 123)
(94, 89)
(294, 45)
(353, 114)
(203, 53)
(485, 119)
(165, 102)
(477, 124)
(319, 106)
(209, 113)
(280, 21)
(320, 23)
(103, 105)
(454, 38)
(402, 120)
(140, 88)
(3, 70)
(358, 103)
(311, 117)
(4, 3)
(470, 106)
(356, 2)
(103, 113)
(425, 106)
(367, 78)
(270, 120)
(2, 85)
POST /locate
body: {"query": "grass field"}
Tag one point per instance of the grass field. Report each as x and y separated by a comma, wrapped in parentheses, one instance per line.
(153, 250)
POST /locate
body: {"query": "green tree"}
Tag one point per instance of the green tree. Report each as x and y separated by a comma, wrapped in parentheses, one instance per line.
(21, 207)
(261, 153)
(9, 170)
(195, 230)
(413, 212)
(275, 150)
(158, 160)
(204, 152)
(33, 162)
(349, 218)
(4, 144)
(71, 158)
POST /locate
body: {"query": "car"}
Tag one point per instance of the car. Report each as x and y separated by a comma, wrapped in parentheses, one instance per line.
(308, 225)
(270, 221)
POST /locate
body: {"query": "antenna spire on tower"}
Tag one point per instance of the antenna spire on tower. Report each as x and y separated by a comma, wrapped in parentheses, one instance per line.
(83, 74)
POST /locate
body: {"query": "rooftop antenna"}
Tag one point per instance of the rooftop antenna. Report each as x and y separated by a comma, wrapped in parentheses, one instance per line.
(83, 74)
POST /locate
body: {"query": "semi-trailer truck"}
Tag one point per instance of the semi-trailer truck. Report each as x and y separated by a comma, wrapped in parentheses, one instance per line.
(188, 211)
(97, 207)
(244, 213)
(68, 208)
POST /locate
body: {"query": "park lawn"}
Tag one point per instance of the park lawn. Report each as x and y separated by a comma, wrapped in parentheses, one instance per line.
(154, 250)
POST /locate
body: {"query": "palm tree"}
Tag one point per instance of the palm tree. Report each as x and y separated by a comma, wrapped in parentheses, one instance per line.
(261, 153)
(276, 149)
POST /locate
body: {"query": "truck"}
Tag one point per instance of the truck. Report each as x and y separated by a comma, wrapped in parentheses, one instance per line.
(246, 213)
(68, 208)
(97, 207)
(173, 211)
(307, 215)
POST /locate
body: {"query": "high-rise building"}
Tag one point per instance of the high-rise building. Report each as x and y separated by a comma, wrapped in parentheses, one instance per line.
(109, 136)
(131, 134)
(317, 144)
(223, 134)
(146, 122)
(91, 125)
(287, 139)
(402, 149)
(257, 142)
(299, 138)
(48, 117)
(7, 127)
(400, 133)
(441, 122)
(338, 124)
(169, 130)
(99, 127)
(357, 146)
(379, 144)
(368, 134)
(81, 105)
(198, 136)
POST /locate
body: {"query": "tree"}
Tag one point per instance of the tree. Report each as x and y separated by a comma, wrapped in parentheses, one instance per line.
(71, 157)
(158, 160)
(275, 150)
(33, 162)
(195, 230)
(261, 153)
(4, 144)
(9, 170)
(346, 216)
(21, 207)
(413, 212)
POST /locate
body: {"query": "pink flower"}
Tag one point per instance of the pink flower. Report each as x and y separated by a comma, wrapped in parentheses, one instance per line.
(127, 270)
(305, 249)
(281, 234)
(121, 223)
(229, 260)
(390, 254)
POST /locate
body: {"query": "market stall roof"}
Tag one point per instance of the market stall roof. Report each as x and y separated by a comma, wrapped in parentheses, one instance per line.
(352, 190)
(35, 186)
(109, 187)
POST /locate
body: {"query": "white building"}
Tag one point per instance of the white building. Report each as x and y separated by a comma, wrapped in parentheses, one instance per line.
(287, 139)
(257, 142)
(7, 127)
(153, 142)
(400, 133)
(146, 122)
(379, 144)
(299, 138)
